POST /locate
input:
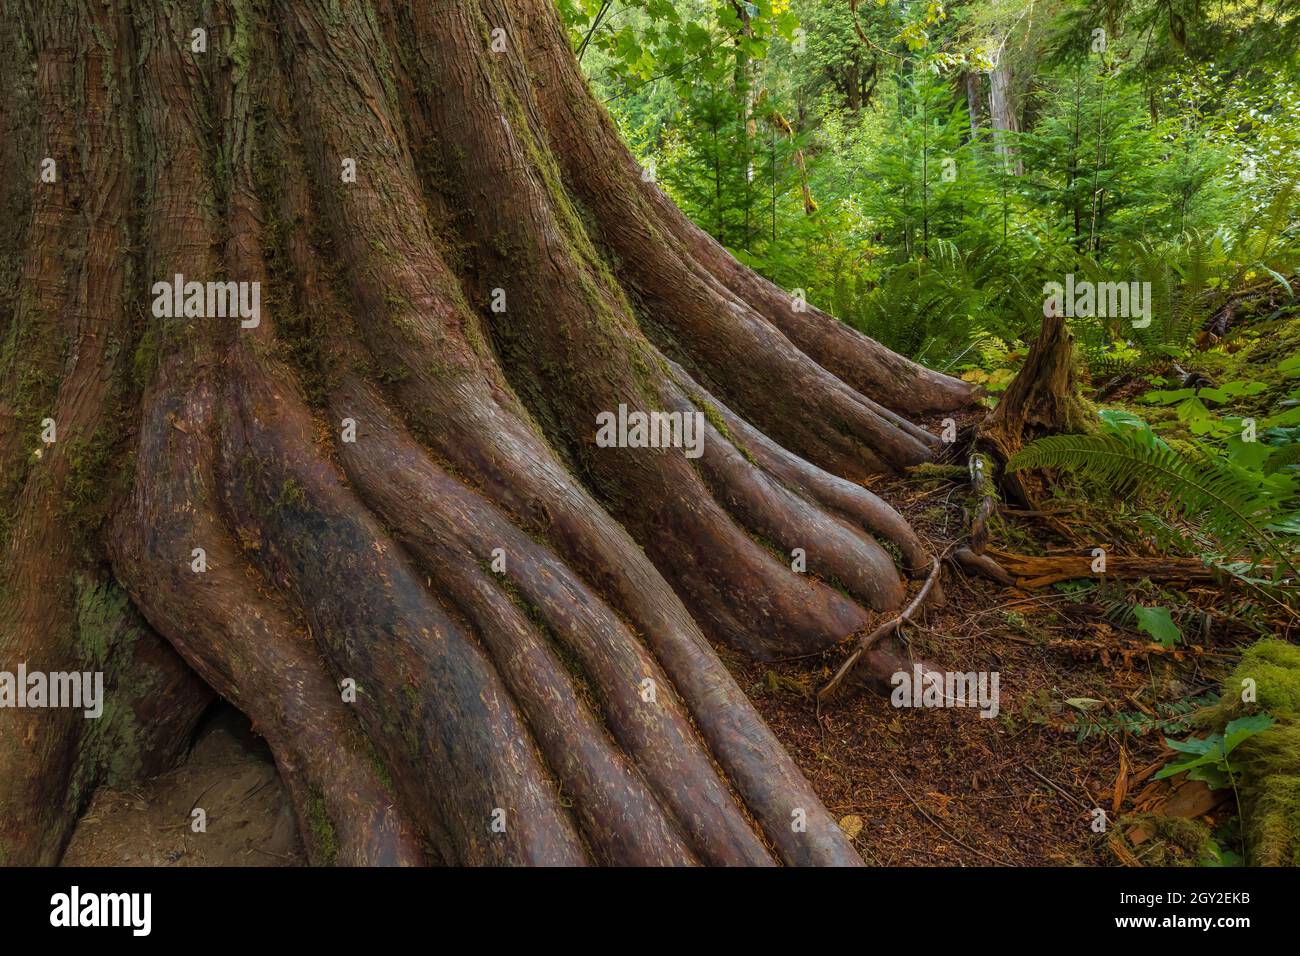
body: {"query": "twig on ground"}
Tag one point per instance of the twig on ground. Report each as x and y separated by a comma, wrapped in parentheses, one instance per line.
(866, 643)
(942, 829)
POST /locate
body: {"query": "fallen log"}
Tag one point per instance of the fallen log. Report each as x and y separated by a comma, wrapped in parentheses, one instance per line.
(1036, 571)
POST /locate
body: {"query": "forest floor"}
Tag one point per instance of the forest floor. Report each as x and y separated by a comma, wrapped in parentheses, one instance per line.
(1086, 701)
(1084, 705)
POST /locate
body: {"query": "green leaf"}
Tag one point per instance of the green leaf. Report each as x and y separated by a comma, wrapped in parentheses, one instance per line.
(1210, 775)
(1168, 397)
(1212, 765)
(1280, 281)
(1217, 856)
(1243, 728)
(1193, 412)
(1236, 389)
(1194, 745)
(1290, 417)
(1157, 622)
(1248, 454)
(1082, 703)
(696, 39)
(1170, 769)
(1119, 422)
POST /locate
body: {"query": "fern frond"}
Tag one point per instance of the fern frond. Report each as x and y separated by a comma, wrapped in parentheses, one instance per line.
(1228, 506)
(1285, 456)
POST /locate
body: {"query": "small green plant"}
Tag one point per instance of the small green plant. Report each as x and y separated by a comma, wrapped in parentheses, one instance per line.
(1157, 622)
(1209, 760)
(1172, 717)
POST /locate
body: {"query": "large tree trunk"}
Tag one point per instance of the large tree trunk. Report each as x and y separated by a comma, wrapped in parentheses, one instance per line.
(526, 615)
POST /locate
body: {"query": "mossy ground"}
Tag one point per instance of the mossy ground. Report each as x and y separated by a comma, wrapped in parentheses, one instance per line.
(1266, 767)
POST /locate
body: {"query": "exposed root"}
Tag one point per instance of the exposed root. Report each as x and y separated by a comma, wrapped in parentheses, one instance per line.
(450, 529)
(830, 547)
(849, 500)
(539, 493)
(599, 167)
(865, 644)
(982, 565)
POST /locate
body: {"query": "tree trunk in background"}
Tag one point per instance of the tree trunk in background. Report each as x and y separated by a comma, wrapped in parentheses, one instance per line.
(378, 520)
(1002, 112)
(973, 85)
(851, 86)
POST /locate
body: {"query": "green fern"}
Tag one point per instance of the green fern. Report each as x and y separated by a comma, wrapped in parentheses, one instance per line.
(1284, 457)
(1193, 276)
(1235, 509)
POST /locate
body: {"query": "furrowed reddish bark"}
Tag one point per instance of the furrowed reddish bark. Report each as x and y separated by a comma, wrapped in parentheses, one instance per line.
(385, 482)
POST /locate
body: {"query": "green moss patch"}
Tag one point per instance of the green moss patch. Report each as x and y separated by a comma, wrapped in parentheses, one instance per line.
(1267, 766)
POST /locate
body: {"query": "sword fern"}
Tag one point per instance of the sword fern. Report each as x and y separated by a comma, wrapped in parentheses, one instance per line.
(1241, 510)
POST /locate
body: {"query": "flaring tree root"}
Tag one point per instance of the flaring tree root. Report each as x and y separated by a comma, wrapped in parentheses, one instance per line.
(377, 516)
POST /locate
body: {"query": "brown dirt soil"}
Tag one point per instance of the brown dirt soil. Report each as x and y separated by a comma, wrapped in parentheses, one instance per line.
(230, 775)
(946, 787)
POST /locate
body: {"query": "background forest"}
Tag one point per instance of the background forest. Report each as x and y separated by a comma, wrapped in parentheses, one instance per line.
(924, 171)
